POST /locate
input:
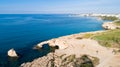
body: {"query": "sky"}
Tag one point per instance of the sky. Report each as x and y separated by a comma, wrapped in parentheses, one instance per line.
(59, 6)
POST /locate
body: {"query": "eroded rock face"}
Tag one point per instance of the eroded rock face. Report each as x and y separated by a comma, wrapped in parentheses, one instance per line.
(54, 42)
(58, 42)
(52, 60)
(12, 53)
(45, 61)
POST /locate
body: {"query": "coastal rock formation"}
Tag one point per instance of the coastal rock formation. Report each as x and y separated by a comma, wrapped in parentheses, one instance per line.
(45, 61)
(54, 42)
(52, 60)
(12, 53)
(76, 48)
(61, 42)
(110, 26)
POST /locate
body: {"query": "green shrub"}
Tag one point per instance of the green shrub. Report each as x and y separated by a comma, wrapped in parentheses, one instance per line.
(86, 61)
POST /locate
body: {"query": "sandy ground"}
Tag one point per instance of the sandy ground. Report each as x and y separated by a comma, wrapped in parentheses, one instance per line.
(92, 48)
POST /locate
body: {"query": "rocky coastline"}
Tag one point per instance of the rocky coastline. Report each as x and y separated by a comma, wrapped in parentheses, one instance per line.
(78, 46)
(77, 50)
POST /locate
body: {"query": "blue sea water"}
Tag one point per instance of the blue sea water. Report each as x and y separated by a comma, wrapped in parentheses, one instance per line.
(23, 31)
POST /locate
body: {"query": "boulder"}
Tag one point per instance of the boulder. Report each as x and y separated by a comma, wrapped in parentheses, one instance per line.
(12, 53)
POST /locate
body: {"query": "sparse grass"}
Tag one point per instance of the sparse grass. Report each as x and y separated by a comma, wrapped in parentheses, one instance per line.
(87, 35)
(106, 43)
(83, 61)
(109, 38)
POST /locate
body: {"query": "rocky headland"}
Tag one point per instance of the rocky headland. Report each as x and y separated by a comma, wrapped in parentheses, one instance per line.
(78, 50)
(77, 45)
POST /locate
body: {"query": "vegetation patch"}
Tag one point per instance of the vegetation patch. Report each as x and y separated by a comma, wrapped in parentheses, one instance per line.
(86, 62)
(87, 35)
(83, 61)
(109, 38)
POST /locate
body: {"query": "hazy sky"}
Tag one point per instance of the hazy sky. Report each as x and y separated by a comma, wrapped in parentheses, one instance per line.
(59, 6)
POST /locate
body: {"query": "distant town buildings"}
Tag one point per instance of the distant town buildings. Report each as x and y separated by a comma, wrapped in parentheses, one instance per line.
(96, 15)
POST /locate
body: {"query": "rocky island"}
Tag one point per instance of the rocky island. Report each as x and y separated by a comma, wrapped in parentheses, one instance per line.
(12, 53)
(90, 49)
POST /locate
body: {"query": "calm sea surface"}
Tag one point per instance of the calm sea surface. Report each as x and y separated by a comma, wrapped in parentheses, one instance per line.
(23, 31)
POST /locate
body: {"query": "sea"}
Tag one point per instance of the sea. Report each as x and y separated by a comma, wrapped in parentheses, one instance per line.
(23, 31)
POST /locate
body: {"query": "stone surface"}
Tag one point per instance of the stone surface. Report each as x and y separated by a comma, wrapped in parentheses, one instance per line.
(12, 53)
(54, 42)
(52, 60)
(45, 61)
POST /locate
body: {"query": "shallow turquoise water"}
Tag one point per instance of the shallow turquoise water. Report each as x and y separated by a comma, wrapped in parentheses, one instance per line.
(23, 31)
